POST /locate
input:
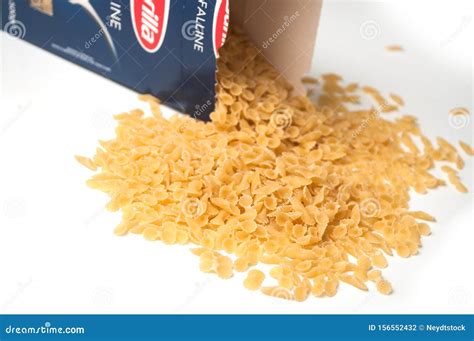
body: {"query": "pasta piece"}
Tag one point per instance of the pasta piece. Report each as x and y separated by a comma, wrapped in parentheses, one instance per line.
(224, 267)
(354, 281)
(330, 287)
(379, 260)
(403, 250)
(422, 216)
(384, 287)
(169, 234)
(394, 48)
(374, 275)
(467, 148)
(318, 287)
(397, 99)
(301, 293)
(254, 279)
(309, 80)
(86, 162)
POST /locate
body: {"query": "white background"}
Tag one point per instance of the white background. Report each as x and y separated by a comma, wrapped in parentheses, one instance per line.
(57, 250)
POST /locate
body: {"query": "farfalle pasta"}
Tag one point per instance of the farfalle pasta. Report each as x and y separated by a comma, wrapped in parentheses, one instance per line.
(312, 188)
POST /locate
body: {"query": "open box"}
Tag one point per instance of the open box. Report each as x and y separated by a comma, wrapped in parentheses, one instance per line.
(167, 48)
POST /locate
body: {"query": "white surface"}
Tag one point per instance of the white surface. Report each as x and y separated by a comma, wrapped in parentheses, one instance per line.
(57, 250)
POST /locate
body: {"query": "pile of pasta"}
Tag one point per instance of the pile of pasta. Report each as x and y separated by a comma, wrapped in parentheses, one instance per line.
(300, 194)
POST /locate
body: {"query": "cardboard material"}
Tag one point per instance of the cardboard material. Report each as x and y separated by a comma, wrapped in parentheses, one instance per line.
(167, 48)
(284, 31)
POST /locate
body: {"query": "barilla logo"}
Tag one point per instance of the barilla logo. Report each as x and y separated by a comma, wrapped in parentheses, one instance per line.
(220, 24)
(149, 19)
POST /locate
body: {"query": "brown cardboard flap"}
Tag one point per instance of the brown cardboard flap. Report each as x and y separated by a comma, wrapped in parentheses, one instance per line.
(284, 30)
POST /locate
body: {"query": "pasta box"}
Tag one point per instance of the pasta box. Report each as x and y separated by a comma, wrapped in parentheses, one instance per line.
(166, 48)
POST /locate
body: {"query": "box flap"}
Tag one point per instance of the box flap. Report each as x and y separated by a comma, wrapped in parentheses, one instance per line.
(284, 30)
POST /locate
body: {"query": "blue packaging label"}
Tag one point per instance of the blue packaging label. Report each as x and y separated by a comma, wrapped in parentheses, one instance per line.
(167, 48)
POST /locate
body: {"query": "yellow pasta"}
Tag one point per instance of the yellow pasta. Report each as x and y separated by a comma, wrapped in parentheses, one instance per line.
(403, 250)
(454, 179)
(467, 148)
(354, 281)
(86, 162)
(309, 80)
(394, 48)
(169, 233)
(384, 287)
(241, 264)
(150, 234)
(397, 99)
(254, 279)
(331, 285)
(301, 293)
(379, 260)
(352, 87)
(224, 267)
(374, 275)
(305, 187)
(422, 216)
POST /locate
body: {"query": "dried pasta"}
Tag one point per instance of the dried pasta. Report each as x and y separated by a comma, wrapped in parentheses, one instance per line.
(467, 148)
(318, 191)
(254, 279)
(394, 48)
(397, 99)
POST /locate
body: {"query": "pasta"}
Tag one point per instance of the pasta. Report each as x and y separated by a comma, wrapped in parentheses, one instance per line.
(384, 287)
(318, 191)
(397, 99)
(467, 148)
(254, 279)
(374, 275)
(86, 162)
(394, 48)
